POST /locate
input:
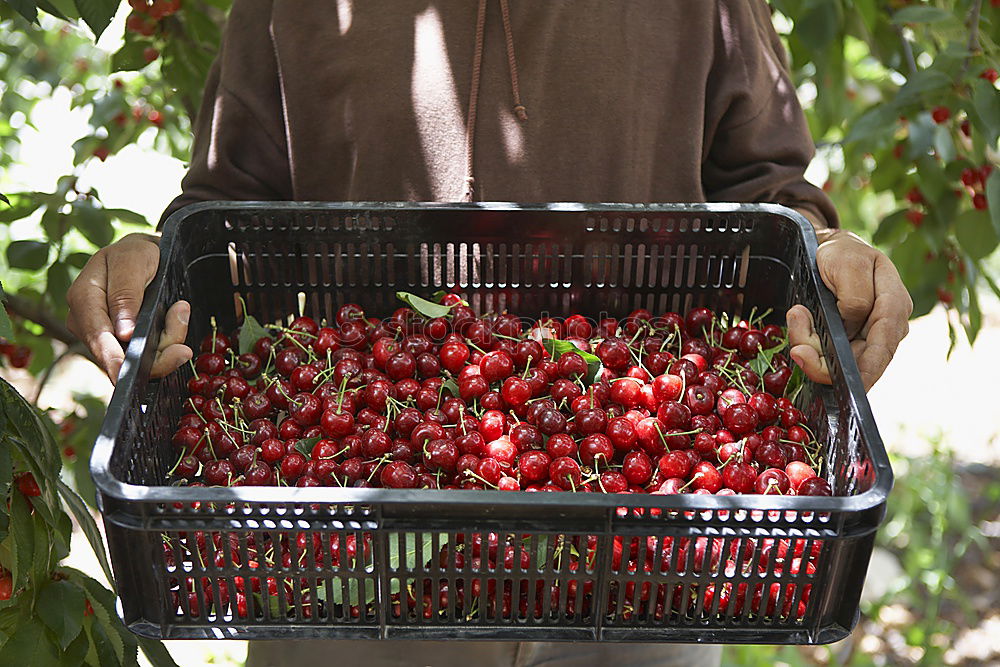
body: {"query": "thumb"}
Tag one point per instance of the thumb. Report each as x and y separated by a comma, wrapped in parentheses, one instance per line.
(128, 275)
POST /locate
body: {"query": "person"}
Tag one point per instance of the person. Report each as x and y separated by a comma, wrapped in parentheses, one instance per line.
(448, 100)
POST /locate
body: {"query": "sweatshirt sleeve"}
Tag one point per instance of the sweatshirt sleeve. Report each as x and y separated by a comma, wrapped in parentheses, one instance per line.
(757, 141)
(240, 147)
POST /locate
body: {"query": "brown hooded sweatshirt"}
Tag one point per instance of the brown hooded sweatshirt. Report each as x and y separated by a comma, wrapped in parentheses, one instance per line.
(566, 100)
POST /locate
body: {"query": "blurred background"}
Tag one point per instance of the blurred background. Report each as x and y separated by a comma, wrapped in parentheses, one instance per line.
(96, 104)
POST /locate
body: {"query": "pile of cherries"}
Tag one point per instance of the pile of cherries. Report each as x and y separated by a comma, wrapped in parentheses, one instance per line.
(646, 404)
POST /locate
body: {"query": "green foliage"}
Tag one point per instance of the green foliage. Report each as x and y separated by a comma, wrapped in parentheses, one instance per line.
(54, 613)
(898, 98)
(97, 14)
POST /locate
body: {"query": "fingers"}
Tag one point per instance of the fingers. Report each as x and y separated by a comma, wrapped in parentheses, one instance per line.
(131, 266)
(88, 316)
(872, 362)
(888, 324)
(847, 265)
(804, 345)
(171, 351)
(104, 299)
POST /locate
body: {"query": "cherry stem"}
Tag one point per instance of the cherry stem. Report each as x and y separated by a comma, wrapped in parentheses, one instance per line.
(697, 475)
(179, 459)
(527, 367)
(379, 462)
(471, 473)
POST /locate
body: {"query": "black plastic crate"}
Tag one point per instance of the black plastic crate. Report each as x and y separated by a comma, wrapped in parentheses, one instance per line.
(564, 577)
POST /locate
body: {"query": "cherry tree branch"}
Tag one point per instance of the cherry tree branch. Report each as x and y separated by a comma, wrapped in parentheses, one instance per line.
(973, 25)
(54, 327)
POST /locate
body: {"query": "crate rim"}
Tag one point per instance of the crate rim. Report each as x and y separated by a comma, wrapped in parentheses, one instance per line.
(108, 485)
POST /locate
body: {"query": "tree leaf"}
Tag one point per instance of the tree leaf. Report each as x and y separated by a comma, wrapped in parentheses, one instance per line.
(250, 332)
(22, 532)
(423, 306)
(874, 122)
(976, 234)
(892, 229)
(97, 14)
(60, 605)
(993, 198)
(450, 385)
(129, 58)
(57, 282)
(305, 445)
(39, 448)
(24, 204)
(156, 653)
(102, 600)
(28, 255)
(125, 215)
(30, 645)
(94, 223)
(64, 9)
(920, 14)
(25, 8)
(975, 321)
(87, 525)
(76, 652)
(4, 199)
(761, 364)
(944, 145)
(557, 348)
(109, 653)
(6, 328)
(921, 135)
(78, 259)
(986, 102)
(6, 479)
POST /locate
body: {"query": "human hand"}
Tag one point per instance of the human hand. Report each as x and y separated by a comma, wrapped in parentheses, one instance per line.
(871, 299)
(104, 302)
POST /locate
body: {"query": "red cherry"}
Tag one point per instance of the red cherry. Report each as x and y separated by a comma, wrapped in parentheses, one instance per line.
(667, 387)
(622, 433)
(611, 481)
(27, 485)
(614, 354)
(698, 321)
(940, 114)
(534, 466)
(814, 486)
(565, 473)
(561, 445)
(398, 475)
(772, 481)
(496, 366)
(706, 476)
(740, 477)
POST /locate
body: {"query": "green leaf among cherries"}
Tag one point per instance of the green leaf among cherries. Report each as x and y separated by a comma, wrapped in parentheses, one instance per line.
(557, 348)
(423, 306)
(250, 332)
(761, 364)
(305, 445)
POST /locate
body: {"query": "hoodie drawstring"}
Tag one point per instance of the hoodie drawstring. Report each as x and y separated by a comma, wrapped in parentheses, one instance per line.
(477, 66)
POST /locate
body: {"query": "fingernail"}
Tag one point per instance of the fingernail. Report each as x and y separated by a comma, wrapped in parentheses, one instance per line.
(124, 326)
(183, 316)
